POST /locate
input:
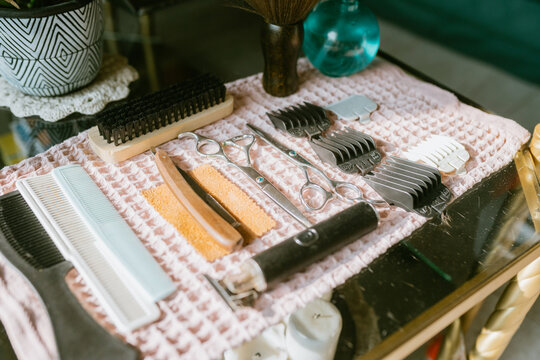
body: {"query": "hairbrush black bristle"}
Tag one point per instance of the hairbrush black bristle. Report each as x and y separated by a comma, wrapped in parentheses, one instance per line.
(137, 125)
(142, 115)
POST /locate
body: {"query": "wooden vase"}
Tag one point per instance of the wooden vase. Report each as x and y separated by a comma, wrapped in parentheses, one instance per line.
(281, 45)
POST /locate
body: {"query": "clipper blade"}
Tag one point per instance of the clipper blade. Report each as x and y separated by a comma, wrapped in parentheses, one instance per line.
(411, 186)
(234, 301)
(442, 152)
(349, 150)
(301, 120)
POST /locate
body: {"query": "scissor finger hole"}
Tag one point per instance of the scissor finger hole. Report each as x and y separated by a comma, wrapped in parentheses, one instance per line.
(241, 140)
(208, 147)
(349, 192)
(314, 197)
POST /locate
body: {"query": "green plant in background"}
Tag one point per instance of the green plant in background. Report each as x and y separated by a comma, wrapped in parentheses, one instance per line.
(28, 4)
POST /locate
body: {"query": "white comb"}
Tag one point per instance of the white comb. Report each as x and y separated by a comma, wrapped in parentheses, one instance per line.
(124, 300)
(442, 152)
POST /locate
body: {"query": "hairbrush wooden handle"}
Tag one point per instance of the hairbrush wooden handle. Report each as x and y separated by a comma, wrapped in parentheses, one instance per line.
(223, 232)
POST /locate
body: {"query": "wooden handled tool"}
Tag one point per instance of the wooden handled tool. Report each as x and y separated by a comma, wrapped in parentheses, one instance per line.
(223, 232)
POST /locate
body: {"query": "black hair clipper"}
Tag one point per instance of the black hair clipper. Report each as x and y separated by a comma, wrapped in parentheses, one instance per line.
(275, 264)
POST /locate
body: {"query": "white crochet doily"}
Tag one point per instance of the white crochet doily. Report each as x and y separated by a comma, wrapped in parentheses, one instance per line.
(111, 84)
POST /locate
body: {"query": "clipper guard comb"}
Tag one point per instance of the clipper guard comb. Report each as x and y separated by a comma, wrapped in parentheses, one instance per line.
(355, 107)
(301, 120)
(411, 186)
(442, 152)
(349, 150)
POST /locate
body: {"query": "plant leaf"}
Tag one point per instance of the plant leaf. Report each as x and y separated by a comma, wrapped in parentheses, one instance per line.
(12, 3)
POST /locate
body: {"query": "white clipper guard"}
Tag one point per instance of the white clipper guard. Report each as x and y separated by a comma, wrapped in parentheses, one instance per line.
(443, 152)
(355, 107)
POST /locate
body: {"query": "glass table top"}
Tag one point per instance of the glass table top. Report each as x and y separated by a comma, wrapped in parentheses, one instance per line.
(401, 299)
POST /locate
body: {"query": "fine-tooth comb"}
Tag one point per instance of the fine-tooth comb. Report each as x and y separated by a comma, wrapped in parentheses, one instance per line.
(135, 126)
(349, 150)
(411, 186)
(443, 152)
(26, 245)
(88, 232)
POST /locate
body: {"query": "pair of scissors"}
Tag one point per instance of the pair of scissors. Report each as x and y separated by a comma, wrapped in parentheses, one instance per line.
(338, 189)
(210, 147)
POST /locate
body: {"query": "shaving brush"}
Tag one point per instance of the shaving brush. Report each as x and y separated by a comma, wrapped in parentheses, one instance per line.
(281, 40)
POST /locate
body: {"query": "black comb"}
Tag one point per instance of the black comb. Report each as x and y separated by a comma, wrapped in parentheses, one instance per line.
(411, 186)
(301, 120)
(28, 247)
(140, 116)
(350, 150)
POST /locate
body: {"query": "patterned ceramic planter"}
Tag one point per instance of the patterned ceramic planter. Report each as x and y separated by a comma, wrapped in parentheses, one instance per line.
(52, 50)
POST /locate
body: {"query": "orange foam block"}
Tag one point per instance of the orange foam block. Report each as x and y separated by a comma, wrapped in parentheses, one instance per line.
(232, 198)
(255, 222)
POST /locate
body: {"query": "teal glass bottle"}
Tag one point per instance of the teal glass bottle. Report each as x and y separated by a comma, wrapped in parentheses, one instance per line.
(341, 37)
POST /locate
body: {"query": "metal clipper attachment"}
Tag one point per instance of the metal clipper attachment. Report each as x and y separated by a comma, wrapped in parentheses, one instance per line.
(234, 301)
(411, 186)
(301, 120)
(352, 108)
(350, 150)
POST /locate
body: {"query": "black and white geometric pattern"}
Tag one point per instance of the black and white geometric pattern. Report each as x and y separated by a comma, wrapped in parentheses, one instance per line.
(52, 55)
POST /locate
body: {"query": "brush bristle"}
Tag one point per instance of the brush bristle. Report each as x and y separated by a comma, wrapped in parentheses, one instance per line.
(142, 115)
(25, 234)
(278, 12)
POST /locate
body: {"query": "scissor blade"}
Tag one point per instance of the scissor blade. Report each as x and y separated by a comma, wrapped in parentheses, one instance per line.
(285, 204)
(274, 194)
(269, 139)
(293, 156)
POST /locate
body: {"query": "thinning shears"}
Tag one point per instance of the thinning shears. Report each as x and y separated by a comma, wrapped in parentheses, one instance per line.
(210, 147)
(337, 189)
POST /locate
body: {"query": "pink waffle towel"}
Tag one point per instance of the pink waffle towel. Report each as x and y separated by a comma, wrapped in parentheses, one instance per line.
(195, 322)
